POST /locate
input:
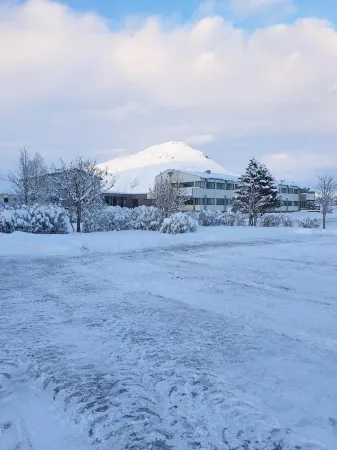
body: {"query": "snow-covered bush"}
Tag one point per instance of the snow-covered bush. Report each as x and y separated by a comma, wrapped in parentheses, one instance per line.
(229, 219)
(308, 222)
(270, 220)
(217, 218)
(38, 219)
(240, 219)
(287, 221)
(146, 218)
(6, 221)
(115, 218)
(110, 218)
(210, 218)
(179, 223)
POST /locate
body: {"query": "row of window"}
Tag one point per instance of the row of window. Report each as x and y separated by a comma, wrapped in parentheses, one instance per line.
(289, 203)
(208, 185)
(286, 190)
(211, 201)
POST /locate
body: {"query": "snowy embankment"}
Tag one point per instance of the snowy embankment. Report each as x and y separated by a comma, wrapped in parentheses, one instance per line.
(73, 244)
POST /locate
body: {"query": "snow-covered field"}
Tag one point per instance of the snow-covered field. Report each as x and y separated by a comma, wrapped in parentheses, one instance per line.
(221, 339)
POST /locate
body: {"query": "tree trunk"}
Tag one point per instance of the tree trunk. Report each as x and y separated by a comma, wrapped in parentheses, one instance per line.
(324, 221)
(78, 221)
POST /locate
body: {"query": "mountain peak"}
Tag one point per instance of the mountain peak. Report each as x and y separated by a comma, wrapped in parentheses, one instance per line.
(136, 172)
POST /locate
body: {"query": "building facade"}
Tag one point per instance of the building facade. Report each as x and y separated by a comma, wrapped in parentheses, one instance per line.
(294, 198)
(211, 191)
(205, 190)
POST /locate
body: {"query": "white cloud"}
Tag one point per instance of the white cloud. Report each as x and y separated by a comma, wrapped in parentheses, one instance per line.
(200, 139)
(300, 165)
(258, 5)
(69, 84)
(211, 7)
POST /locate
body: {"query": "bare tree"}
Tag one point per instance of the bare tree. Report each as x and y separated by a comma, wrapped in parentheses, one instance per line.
(168, 194)
(326, 195)
(79, 186)
(29, 180)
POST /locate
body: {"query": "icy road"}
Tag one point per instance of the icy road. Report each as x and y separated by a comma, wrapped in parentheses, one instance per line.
(229, 346)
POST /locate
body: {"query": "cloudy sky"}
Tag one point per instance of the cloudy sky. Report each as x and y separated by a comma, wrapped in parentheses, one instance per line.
(234, 78)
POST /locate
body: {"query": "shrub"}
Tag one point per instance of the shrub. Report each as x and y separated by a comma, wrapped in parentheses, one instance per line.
(210, 218)
(146, 218)
(110, 218)
(6, 221)
(287, 221)
(179, 223)
(240, 219)
(35, 219)
(270, 220)
(229, 219)
(308, 222)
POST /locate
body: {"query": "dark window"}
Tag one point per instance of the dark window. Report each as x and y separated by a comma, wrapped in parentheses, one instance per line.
(200, 184)
(123, 202)
(230, 187)
(290, 203)
(220, 201)
(189, 201)
(114, 201)
(135, 203)
(6, 199)
(199, 201)
(296, 203)
(221, 186)
(210, 185)
(296, 191)
(187, 184)
(284, 190)
(211, 201)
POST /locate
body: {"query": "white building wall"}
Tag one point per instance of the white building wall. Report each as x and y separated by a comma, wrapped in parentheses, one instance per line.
(291, 198)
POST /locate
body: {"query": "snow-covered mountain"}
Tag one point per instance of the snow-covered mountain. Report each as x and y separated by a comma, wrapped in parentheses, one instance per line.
(136, 173)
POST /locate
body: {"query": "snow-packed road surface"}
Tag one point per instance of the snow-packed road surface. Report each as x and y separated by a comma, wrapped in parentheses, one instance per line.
(227, 346)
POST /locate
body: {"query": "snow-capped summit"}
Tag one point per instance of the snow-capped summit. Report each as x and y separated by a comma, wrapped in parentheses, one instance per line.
(136, 173)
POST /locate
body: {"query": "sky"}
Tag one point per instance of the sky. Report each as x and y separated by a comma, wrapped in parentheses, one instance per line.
(233, 78)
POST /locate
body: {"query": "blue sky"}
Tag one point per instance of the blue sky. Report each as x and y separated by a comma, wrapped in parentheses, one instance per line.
(185, 9)
(234, 83)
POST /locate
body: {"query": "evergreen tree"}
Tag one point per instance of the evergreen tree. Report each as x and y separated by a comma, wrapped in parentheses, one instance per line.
(256, 192)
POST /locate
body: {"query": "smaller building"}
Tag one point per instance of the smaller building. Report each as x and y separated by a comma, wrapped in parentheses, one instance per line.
(206, 190)
(4, 191)
(294, 198)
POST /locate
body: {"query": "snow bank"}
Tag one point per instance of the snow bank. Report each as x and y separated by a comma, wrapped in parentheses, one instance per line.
(76, 244)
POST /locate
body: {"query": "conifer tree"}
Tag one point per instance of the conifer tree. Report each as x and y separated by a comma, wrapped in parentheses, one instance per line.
(256, 191)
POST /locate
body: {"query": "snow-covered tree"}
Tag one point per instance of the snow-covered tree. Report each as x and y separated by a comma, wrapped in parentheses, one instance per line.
(168, 195)
(79, 186)
(256, 192)
(29, 180)
(326, 195)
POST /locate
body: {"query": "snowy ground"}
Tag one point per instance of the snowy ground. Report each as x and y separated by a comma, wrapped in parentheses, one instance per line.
(223, 339)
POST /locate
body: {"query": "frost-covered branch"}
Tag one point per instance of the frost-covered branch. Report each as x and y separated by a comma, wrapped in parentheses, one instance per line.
(79, 186)
(326, 195)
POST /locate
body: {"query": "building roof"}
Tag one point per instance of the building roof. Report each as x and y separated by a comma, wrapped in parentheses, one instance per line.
(205, 175)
